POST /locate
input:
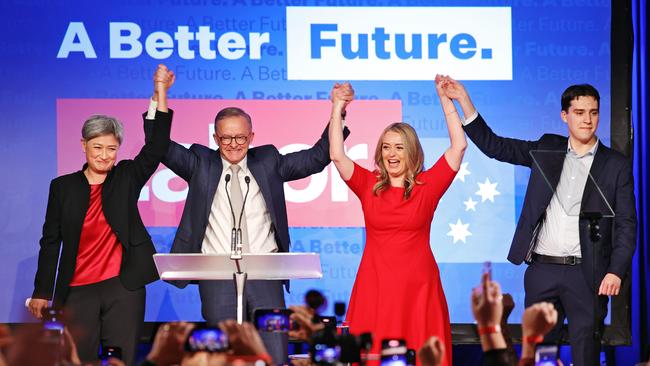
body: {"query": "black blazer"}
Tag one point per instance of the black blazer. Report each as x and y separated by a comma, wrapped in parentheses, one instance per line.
(66, 209)
(612, 173)
(201, 168)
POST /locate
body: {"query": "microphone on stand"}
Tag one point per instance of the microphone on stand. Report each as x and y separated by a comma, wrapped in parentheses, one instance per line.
(247, 179)
(233, 233)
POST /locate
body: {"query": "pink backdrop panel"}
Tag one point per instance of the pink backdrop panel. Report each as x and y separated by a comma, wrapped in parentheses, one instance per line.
(320, 200)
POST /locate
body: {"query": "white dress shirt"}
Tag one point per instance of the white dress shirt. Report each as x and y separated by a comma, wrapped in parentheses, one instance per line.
(559, 234)
(258, 218)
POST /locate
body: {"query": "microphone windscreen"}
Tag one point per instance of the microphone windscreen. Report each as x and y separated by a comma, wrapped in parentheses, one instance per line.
(247, 179)
(227, 178)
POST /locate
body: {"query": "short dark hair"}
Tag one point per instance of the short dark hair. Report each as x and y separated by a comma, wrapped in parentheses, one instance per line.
(232, 112)
(576, 91)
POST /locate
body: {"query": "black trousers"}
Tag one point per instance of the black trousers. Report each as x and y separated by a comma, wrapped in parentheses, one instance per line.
(219, 302)
(565, 286)
(105, 313)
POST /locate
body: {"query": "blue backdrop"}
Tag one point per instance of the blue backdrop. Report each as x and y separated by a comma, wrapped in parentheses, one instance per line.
(553, 44)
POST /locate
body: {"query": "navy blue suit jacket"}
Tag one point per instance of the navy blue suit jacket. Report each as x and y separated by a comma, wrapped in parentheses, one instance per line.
(201, 168)
(612, 173)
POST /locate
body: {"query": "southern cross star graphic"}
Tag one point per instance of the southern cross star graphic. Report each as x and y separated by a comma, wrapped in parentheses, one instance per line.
(487, 190)
(462, 172)
(470, 204)
(459, 231)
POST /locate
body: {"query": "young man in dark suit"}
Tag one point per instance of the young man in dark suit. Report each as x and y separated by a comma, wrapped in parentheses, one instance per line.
(207, 220)
(569, 176)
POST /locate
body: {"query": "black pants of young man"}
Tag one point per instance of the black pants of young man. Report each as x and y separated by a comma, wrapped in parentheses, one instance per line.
(565, 286)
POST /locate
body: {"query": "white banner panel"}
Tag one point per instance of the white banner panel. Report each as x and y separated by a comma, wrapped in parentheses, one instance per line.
(397, 43)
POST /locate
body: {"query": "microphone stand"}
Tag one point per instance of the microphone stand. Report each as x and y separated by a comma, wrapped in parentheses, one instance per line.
(594, 235)
(233, 233)
(236, 249)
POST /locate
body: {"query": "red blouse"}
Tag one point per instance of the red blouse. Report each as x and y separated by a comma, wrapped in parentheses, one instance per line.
(100, 253)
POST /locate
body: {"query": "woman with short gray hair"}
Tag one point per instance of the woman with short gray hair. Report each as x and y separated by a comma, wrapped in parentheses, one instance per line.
(106, 253)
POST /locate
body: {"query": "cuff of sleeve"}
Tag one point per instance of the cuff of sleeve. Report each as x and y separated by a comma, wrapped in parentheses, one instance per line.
(620, 272)
(471, 118)
(41, 295)
(151, 112)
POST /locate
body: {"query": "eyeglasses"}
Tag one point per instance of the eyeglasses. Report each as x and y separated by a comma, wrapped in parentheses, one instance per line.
(227, 140)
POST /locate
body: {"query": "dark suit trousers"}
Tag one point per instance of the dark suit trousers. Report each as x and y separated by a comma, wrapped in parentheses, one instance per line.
(219, 302)
(565, 286)
(105, 313)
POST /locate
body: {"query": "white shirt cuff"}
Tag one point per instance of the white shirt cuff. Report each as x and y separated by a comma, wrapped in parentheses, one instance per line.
(470, 119)
(151, 112)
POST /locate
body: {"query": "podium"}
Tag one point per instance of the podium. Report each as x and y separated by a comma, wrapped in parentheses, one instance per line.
(251, 266)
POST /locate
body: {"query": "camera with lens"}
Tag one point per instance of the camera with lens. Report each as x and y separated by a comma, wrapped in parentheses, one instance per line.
(395, 353)
(329, 348)
(207, 339)
(273, 320)
(108, 352)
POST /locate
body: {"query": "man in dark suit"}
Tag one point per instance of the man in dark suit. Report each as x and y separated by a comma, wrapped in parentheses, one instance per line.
(107, 254)
(569, 176)
(215, 179)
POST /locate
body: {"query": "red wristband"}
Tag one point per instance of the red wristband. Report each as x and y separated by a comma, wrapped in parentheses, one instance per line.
(489, 329)
(533, 339)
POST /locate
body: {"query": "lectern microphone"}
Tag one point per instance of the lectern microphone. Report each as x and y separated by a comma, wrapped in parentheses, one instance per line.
(233, 233)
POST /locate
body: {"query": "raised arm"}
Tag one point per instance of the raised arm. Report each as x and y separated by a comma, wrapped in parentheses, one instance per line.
(456, 91)
(177, 158)
(454, 154)
(157, 140)
(513, 151)
(341, 95)
(163, 79)
(304, 163)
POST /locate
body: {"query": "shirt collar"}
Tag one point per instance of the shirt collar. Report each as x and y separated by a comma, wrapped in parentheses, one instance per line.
(591, 151)
(242, 164)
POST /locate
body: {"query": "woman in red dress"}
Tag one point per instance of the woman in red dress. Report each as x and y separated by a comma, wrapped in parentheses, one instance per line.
(397, 292)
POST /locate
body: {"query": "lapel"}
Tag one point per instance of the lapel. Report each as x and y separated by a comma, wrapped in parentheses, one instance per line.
(78, 210)
(591, 194)
(258, 170)
(550, 161)
(214, 175)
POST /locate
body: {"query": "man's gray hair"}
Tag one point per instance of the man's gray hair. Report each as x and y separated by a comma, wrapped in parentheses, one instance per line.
(100, 125)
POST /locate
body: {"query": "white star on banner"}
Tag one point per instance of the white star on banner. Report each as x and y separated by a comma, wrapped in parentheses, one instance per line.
(462, 172)
(487, 190)
(459, 231)
(470, 204)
